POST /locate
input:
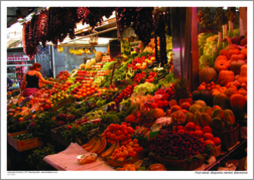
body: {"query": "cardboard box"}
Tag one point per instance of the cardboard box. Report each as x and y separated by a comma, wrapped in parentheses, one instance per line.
(23, 145)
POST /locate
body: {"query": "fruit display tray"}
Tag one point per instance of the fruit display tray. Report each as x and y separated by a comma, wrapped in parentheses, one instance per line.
(23, 145)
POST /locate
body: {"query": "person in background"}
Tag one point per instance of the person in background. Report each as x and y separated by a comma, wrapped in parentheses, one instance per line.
(30, 84)
(9, 83)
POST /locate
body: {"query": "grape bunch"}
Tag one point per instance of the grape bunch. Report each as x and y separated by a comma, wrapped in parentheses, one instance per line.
(143, 24)
(124, 17)
(177, 145)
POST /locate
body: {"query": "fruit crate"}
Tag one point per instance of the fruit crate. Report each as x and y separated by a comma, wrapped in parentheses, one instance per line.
(23, 145)
(58, 138)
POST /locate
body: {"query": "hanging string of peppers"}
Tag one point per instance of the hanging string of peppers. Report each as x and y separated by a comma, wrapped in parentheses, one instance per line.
(56, 23)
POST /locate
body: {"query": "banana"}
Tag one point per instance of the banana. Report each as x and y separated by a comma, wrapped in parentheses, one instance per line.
(103, 146)
(96, 146)
(90, 147)
(89, 143)
(109, 151)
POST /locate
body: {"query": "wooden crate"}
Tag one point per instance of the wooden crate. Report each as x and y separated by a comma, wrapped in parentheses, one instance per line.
(23, 145)
(58, 138)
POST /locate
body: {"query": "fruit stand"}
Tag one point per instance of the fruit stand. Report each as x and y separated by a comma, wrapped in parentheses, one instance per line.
(132, 112)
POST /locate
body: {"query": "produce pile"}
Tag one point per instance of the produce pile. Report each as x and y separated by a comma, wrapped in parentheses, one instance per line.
(143, 116)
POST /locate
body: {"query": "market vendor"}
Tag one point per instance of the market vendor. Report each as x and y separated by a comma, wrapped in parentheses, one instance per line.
(30, 84)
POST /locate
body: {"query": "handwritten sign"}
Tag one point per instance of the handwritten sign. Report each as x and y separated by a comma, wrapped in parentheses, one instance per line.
(17, 58)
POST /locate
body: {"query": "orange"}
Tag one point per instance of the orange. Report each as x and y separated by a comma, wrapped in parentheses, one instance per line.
(216, 141)
(21, 119)
(126, 153)
(209, 142)
(131, 143)
(130, 150)
(134, 153)
(11, 114)
(128, 136)
(135, 141)
(136, 145)
(129, 140)
(207, 129)
(208, 136)
(120, 159)
(198, 133)
(112, 142)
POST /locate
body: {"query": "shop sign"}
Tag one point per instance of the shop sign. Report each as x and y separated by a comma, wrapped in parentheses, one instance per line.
(14, 35)
(17, 58)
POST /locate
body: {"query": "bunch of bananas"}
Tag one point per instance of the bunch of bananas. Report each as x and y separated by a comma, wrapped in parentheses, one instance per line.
(98, 145)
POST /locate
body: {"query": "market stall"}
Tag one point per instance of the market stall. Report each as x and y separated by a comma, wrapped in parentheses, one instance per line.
(136, 106)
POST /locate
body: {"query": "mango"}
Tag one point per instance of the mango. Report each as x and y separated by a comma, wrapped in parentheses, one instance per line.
(208, 110)
(217, 113)
(228, 116)
(197, 117)
(195, 107)
(189, 117)
(200, 102)
(205, 120)
(217, 124)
